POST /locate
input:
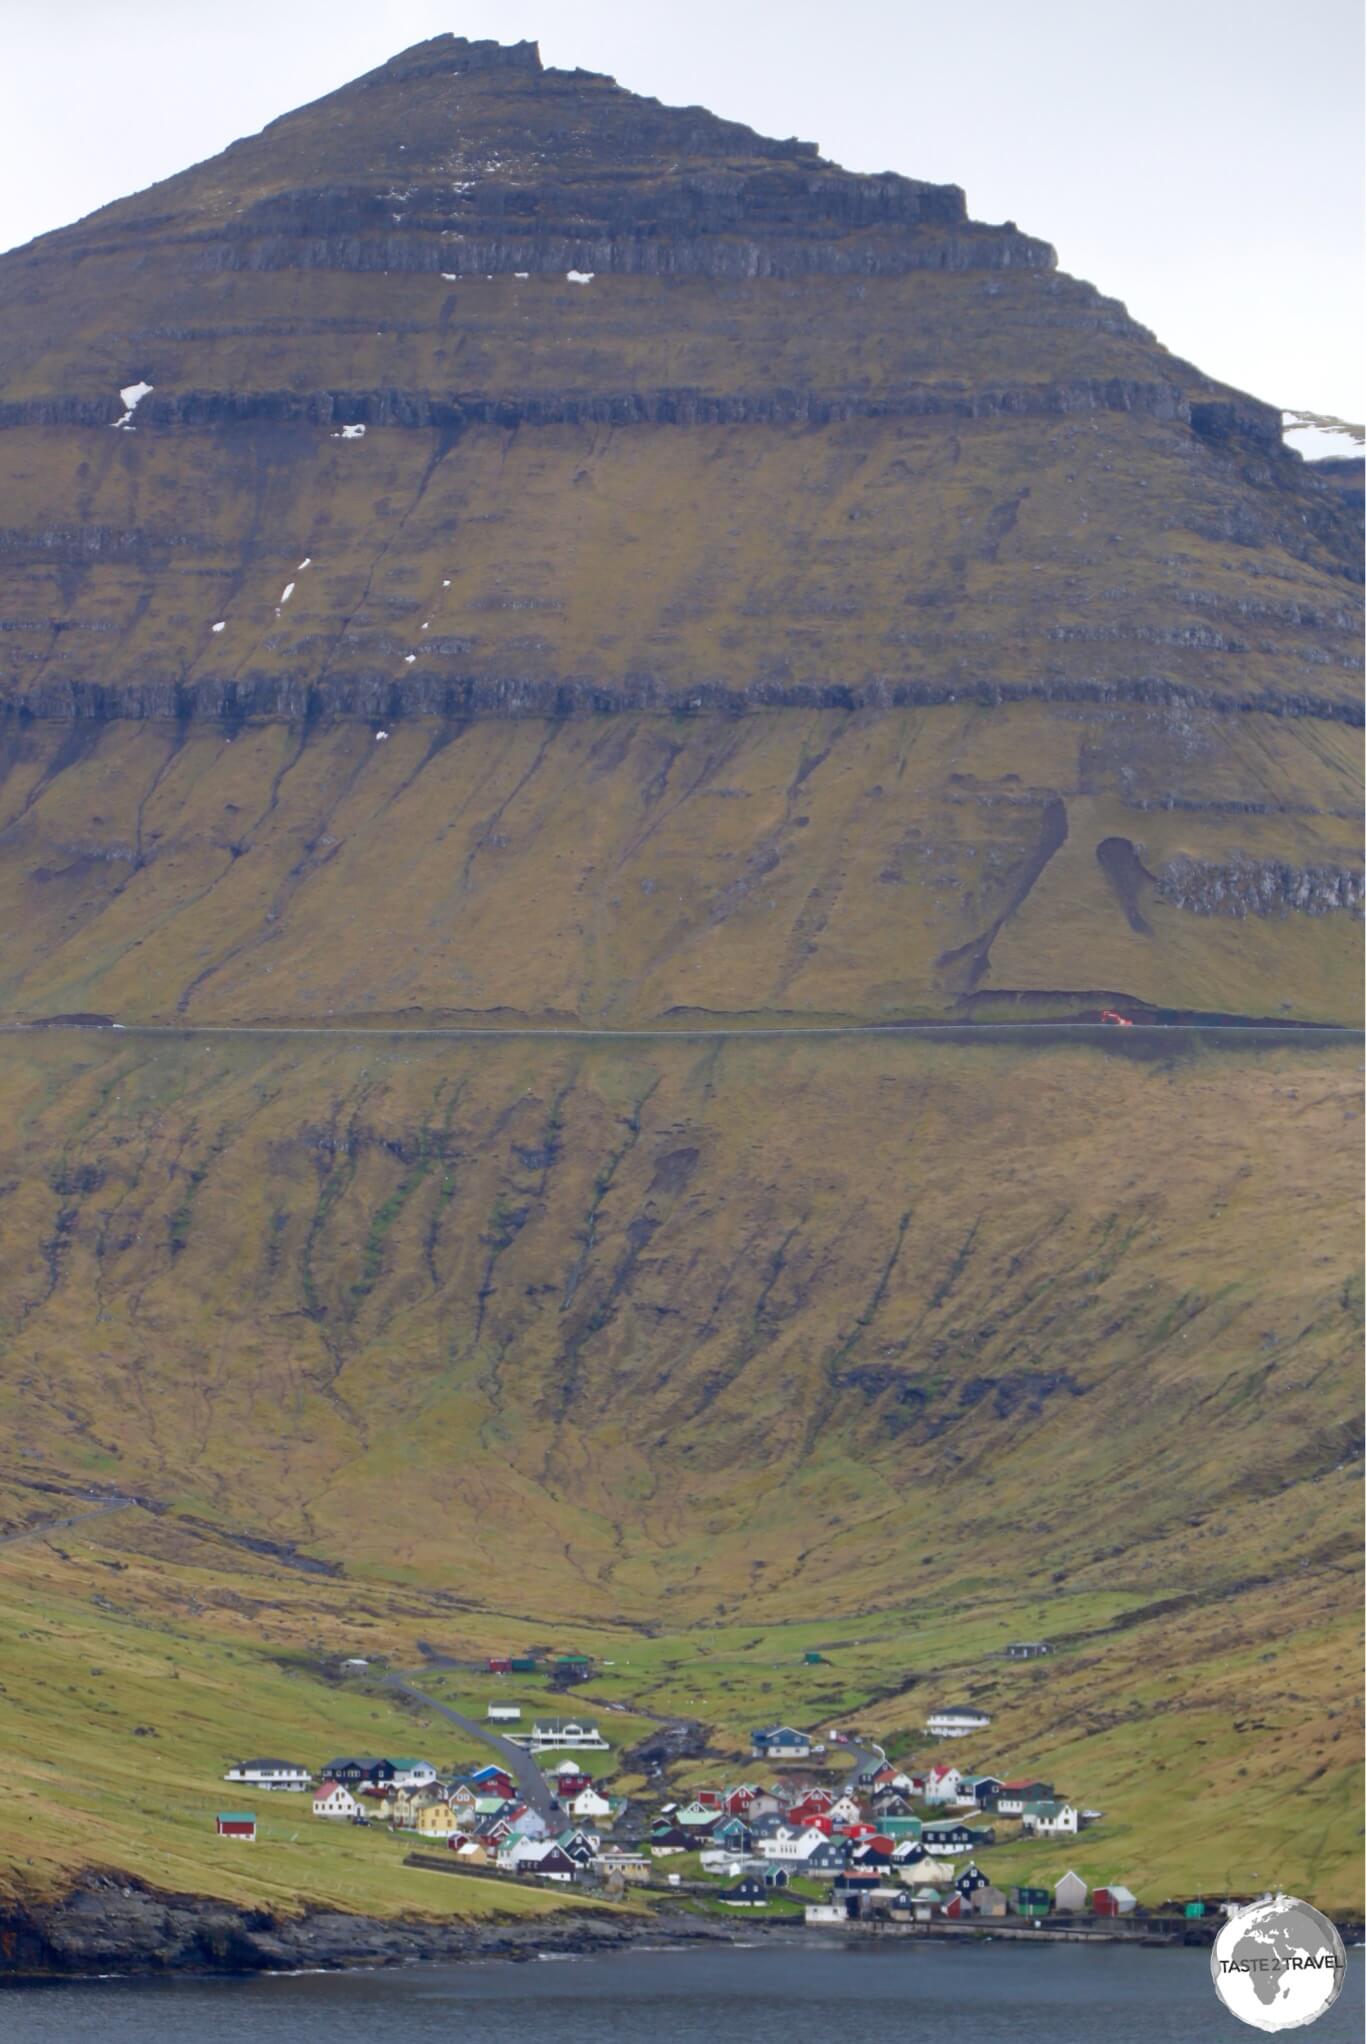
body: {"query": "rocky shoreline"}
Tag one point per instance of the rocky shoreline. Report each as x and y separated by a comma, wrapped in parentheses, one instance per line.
(111, 1926)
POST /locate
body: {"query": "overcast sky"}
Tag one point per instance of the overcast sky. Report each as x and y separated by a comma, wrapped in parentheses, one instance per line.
(1200, 159)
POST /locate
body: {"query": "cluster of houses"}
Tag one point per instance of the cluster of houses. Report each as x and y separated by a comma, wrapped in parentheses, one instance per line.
(866, 1895)
(906, 1821)
(480, 1815)
(896, 1841)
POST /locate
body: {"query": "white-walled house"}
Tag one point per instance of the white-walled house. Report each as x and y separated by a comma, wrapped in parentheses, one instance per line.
(589, 1802)
(956, 1721)
(1070, 1892)
(412, 1774)
(1049, 1820)
(330, 1799)
(504, 1713)
(789, 1845)
(942, 1784)
(271, 1774)
(548, 1734)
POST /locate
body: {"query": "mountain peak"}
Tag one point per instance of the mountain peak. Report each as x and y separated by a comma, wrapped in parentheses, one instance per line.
(452, 145)
(450, 55)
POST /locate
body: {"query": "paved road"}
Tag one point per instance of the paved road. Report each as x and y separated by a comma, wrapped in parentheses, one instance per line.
(46, 1526)
(519, 1765)
(1234, 1030)
(862, 1756)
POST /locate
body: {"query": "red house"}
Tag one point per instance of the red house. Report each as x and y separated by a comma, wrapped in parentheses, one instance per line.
(956, 1907)
(569, 1781)
(492, 1781)
(499, 1664)
(236, 1824)
(1112, 1901)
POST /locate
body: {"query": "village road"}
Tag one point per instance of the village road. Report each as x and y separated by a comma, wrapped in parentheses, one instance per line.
(862, 1756)
(519, 1765)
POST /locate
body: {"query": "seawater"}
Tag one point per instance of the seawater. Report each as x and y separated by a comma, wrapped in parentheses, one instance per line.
(766, 1994)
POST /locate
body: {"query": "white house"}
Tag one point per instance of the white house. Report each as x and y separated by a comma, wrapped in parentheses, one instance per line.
(789, 1844)
(412, 1774)
(1070, 1892)
(330, 1799)
(589, 1803)
(270, 1774)
(942, 1785)
(548, 1734)
(826, 1912)
(956, 1721)
(1049, 1820)
(619, 1859)
(504, 1713)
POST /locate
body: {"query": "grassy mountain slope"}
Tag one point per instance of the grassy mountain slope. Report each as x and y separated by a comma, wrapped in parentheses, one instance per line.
(678, 1320)
(861, 865)
(579, 563)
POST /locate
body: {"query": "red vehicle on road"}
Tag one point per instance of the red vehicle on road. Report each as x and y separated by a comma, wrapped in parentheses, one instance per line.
(1110, 1015)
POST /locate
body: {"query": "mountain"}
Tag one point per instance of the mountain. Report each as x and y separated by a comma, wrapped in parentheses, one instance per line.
(497, 554)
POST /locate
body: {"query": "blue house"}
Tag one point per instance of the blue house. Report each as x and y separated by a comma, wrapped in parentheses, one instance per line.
(780, 1742)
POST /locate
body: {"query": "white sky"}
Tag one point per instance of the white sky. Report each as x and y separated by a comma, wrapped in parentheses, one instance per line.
(1200, 159)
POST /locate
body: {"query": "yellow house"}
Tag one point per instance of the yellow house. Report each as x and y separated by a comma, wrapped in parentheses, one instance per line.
(436, 1820)
(404, 1806)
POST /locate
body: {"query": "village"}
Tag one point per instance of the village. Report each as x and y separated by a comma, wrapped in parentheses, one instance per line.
(823, 1830)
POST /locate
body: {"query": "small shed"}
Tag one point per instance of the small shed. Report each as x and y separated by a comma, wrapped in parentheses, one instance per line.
(1113, 1901)
(811, 1659)
(988, 1901)
(236, 1824)
(1070, 1892)
(1033, 1901)
(499, 1664)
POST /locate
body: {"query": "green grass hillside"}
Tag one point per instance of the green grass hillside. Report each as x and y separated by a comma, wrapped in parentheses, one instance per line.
(696, 1355)
(635, 869)
(621, 591)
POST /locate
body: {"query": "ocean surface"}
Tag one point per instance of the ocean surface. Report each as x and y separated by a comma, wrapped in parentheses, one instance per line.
(763, 1994)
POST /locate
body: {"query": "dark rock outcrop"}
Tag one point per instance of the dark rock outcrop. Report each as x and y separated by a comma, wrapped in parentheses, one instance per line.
(108, 1925)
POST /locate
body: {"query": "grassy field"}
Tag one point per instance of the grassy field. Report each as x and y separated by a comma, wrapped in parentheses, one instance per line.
(1220, 1740)
(693, 1358)
(120, 1724)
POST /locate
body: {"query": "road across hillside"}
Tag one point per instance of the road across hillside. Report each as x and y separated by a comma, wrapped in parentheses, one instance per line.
(45, 1526)
(1234, 1031)
(519, 1764)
